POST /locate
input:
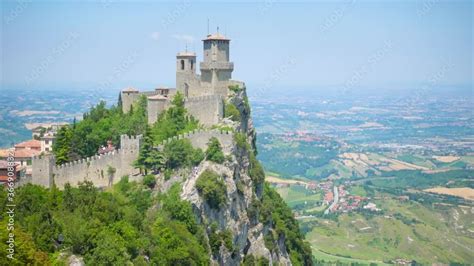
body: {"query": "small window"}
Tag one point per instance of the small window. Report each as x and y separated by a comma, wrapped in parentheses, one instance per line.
(182, 64)
(192, 64)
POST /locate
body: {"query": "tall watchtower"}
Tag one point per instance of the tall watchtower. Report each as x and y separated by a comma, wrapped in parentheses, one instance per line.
(216, 69)
(185, 72)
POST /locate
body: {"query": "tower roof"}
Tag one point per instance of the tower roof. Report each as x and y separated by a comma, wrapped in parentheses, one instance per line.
(130, 89)
(157, 97)
(186, 53)
(216, 37)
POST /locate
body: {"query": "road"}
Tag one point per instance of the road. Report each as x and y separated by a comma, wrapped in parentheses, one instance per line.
(335, 201)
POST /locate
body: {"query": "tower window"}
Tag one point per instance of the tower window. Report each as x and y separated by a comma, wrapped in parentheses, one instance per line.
(192, 64)
(182, 64)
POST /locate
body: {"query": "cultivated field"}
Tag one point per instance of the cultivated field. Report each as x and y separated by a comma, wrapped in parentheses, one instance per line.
(463, 192)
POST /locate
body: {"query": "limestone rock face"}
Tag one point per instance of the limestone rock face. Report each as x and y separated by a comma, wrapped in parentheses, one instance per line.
(247, 238)
(247, 232)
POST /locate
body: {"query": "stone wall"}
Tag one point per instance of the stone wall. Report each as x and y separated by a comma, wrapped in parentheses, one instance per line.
(208, 109)
(155, 107)
(94, 168)
(128, 98)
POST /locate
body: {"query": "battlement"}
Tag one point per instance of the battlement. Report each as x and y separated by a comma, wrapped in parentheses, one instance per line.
(149, 93)
(94, 168)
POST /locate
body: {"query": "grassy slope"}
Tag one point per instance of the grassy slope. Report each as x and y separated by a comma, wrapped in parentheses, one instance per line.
(429, 240)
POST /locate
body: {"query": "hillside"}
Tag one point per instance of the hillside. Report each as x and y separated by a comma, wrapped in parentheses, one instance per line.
(191, 206)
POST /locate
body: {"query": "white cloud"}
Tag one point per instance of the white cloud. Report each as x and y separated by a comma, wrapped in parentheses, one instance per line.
(155, 35)
(183, 38)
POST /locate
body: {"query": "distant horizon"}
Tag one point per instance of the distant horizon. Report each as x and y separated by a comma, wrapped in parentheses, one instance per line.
(350, 43)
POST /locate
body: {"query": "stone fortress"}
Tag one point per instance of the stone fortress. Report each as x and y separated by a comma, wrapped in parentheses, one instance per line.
(204, 94)
(204, 97)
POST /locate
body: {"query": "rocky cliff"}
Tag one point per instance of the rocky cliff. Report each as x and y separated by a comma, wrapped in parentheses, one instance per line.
(255, 219)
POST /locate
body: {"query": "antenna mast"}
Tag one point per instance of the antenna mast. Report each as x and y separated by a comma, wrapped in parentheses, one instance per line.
(207, 26)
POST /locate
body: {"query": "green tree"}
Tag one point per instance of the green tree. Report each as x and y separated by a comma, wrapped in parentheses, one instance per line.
(214, 151)
(212, 188)
(232, 112)
(25, 251)
(149, 181)
(110, 249)
(180, 153)
(175, 120)
(145, 160)
(62, 145)
(175, 245)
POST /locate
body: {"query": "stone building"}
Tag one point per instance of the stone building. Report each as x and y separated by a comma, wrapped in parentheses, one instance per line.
(204, 97)
(204, 94)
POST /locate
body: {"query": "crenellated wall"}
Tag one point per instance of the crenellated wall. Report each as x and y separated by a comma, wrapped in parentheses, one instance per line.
(45, 172)
(95, 168)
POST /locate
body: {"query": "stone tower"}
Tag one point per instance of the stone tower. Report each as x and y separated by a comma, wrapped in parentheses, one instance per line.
(128, 96)
(186, 78)
(216, 69)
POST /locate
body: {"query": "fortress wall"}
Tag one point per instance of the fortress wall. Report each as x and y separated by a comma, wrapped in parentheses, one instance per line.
(193, 82)
(208, 109)
(200, 139)
(90, 169)
(42, 170)
(154, 109)
(128, 98)
(93, 168)
(149, 93)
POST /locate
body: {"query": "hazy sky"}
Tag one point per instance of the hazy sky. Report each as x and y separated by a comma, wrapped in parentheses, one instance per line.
(114, 44)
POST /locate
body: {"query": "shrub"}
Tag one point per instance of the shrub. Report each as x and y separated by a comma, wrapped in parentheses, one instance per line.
(180, 153)
(235, 88)
(231, 111)
(256, 170)
(217, 239)
(214, 151)
(212, 188)
(149, 181)
(168, 173)
(241, 141)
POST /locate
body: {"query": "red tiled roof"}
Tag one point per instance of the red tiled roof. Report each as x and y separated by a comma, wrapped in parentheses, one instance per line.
(26, 153)
(29, 143)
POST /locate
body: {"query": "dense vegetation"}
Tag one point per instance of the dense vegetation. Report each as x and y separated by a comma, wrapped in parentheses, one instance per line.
(274, 211)
(420, 180)
(100, 124)
(214, 151)
(130, 224)
(83, 138)
(212, 188)
(296, 158)
(232, 112)
(106, 228)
